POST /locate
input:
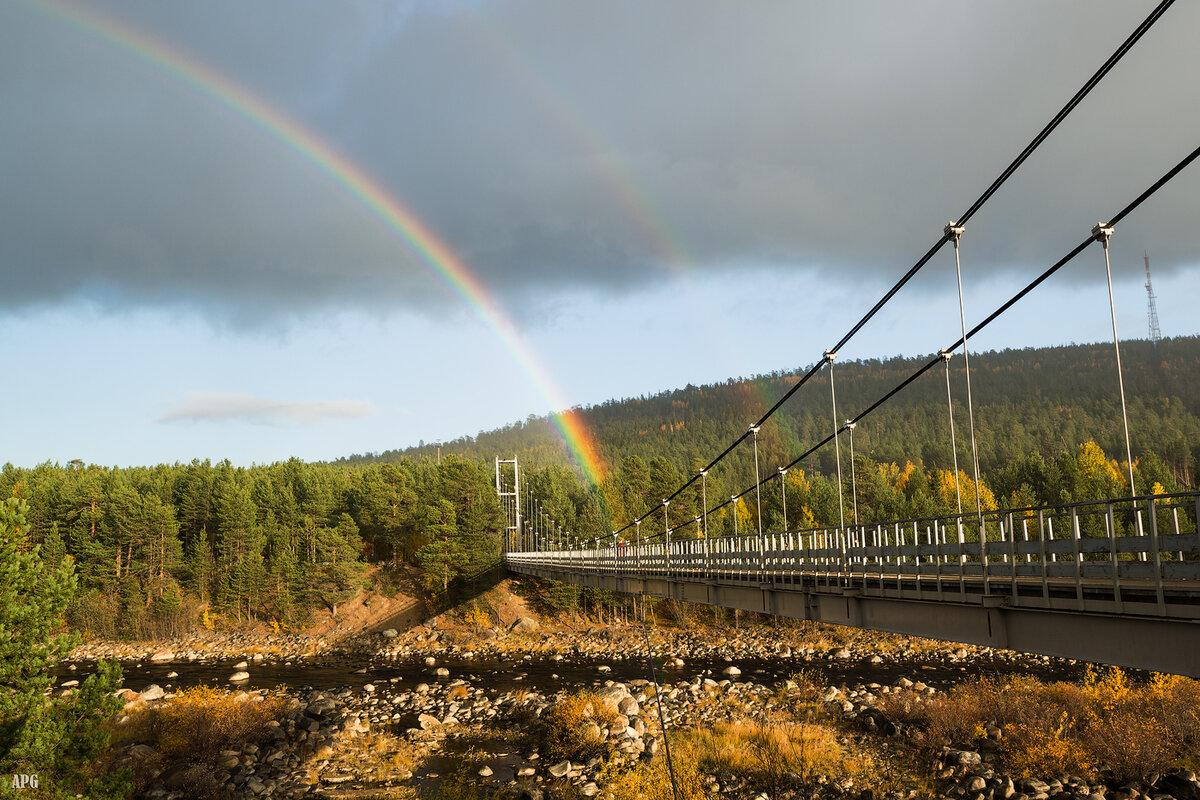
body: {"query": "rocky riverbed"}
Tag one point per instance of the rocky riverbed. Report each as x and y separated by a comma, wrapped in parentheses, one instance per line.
(381, 740)
(392, 715)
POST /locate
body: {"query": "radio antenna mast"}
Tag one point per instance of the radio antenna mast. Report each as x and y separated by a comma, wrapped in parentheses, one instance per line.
(1151, 307)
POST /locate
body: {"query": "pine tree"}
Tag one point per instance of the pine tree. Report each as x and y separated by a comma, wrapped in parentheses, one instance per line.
(57, 738)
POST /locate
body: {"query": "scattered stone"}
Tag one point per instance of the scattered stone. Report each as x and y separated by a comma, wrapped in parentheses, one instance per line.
(162, 656)
(239, 677)
(152, 692)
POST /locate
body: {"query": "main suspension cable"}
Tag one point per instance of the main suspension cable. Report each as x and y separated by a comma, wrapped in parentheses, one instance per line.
(1008, 171)
(1029, 287)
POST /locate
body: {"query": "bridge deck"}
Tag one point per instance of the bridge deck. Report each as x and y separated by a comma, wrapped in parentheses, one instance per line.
(1132, 598)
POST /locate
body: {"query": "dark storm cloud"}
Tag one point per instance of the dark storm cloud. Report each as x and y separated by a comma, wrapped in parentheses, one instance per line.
(579, 145)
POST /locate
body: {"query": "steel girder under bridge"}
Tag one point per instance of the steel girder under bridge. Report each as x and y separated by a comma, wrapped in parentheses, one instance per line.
(1114, 581)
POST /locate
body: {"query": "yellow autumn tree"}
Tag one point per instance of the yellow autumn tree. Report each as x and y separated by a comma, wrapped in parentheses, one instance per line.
(1096, 476)
(943, 480)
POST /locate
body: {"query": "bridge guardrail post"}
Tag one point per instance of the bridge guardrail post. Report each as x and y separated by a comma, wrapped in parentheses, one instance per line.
(1078, 556)
(707, 559)
(1044, 567)
(1012, 552)
(983, 553)
(1111, 524)
(1158, 576)
(962, 559)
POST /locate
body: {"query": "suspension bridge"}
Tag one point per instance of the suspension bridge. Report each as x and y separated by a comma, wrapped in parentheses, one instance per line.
(1115, 580)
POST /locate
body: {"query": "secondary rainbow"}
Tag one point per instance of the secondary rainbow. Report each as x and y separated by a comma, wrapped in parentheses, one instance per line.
(349, 177)
(609, 170)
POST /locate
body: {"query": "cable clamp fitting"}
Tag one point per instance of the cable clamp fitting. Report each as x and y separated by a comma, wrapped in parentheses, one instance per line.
(1102, 231)
(946, 354)
(954, 231)
(830, 355)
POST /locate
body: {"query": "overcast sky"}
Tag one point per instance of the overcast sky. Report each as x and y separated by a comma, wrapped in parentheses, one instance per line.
(652, 194)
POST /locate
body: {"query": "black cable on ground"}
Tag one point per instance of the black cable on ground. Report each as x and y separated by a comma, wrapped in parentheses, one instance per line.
(662, 720)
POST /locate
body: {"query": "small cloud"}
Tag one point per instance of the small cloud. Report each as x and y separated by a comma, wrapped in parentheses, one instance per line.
(227, 407)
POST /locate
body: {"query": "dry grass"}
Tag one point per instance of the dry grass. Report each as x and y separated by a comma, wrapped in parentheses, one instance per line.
(200, 722)
(653, 781)
(1105, 723)
(770, 753)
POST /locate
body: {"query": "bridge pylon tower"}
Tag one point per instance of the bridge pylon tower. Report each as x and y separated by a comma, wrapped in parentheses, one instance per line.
(510, 499)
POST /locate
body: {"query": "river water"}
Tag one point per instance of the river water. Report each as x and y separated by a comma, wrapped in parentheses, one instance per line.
(547, 675)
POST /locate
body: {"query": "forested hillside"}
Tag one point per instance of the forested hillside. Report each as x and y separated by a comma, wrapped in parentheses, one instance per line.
(154, 544)
(1048, 426)
(1045, 400)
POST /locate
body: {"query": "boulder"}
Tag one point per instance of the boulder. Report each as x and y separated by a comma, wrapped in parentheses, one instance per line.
(240, 676)
(612, 696)
(162, 656)
(524, 625)
(153, 692)
(732, 672)
(390, 633)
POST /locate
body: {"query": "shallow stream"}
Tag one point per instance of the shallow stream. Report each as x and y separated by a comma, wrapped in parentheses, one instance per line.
(547, 675)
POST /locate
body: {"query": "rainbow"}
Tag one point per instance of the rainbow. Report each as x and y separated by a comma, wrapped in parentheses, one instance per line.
(344, 173)
(619, 184)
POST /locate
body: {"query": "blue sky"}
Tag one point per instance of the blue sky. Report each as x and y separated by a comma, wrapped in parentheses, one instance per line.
(655, 198)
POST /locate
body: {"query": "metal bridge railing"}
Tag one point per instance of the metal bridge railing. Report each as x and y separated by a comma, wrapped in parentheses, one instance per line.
(1127, 556)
